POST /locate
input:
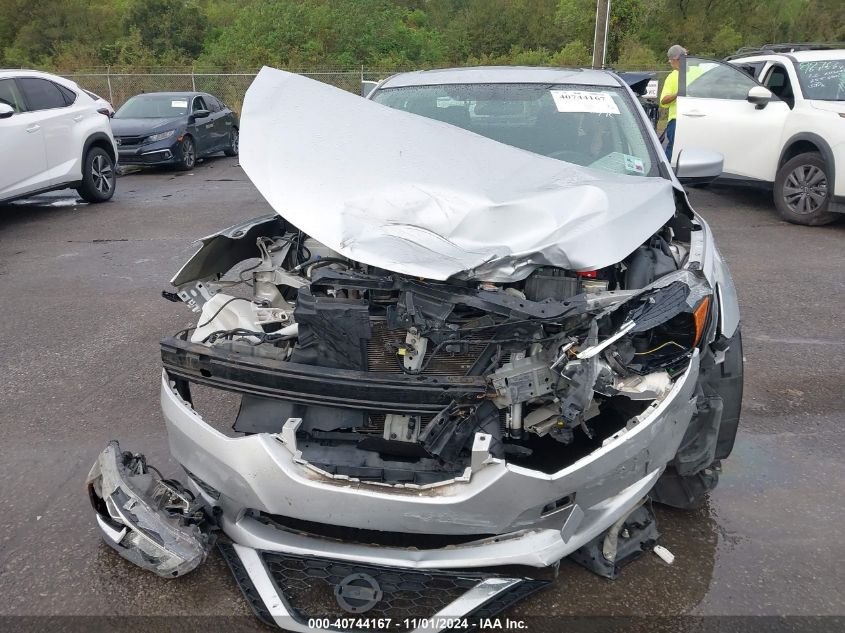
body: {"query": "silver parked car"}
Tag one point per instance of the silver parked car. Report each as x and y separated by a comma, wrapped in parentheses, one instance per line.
(485, 331)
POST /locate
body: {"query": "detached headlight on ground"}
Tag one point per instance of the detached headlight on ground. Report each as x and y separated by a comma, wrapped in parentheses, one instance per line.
(160, 136)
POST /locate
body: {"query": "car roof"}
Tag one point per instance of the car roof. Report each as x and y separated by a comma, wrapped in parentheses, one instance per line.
(799, 56)
(170, 94)
(25, 72)
(503, 75)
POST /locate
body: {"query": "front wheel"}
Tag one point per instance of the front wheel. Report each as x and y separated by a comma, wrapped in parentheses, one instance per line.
(98, 176)
(234, 139)
(803, 190)
(189, 154)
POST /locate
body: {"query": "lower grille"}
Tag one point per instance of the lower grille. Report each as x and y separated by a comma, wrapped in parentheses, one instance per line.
(310, 584)
(245, 583)
(309, 587)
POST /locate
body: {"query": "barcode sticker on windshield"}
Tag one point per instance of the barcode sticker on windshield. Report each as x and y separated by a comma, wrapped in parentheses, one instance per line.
(584, 101)
(179, 103)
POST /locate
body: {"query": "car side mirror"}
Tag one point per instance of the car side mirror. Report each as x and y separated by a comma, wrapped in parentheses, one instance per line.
(6, 110)
(201, 114)
(760, 96)
(698, 166)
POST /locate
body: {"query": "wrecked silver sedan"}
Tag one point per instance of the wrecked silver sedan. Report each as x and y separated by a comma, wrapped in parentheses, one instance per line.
(483, 332)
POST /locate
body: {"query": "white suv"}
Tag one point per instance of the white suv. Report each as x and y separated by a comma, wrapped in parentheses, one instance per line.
(778, 117)
(52, 137)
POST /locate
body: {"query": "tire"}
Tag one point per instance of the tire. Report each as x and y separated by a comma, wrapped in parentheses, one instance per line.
(234, 143)
(188, 153)
(695, 469)
(98, 176)
(803, 190)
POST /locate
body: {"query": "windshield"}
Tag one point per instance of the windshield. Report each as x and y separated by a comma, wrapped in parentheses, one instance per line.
(153, 107)
(592, 126)
(823, 79)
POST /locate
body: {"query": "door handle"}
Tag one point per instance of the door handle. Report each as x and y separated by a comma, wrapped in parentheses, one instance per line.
(78, 118)
(33, 128)
(695, 113)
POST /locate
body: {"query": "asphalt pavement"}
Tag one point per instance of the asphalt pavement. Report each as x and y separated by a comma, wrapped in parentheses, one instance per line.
(82, 313)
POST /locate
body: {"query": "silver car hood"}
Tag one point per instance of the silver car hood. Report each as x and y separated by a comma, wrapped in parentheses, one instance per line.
(425, 198)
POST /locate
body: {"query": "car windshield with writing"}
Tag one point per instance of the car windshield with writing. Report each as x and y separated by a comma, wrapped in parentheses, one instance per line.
(153, 107)
(823, 79)
(592, 126)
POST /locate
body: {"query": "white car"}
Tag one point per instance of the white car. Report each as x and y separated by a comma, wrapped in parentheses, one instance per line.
(778, 118)
(53, 137)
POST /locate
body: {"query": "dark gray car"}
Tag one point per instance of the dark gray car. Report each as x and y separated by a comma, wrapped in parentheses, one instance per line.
(174, 128)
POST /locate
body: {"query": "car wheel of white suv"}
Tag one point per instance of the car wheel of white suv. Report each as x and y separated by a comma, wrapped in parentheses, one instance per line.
(802, 190)
(98, 176)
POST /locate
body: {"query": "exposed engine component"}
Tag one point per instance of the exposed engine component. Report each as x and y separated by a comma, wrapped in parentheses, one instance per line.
(551, 283)
(548, 357)
(402, 428)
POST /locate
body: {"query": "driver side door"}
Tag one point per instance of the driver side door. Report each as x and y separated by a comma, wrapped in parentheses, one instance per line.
(203, 128)
(714, 113)
(23, 153)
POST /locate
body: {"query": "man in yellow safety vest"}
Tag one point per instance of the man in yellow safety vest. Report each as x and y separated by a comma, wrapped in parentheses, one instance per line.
(669, 94)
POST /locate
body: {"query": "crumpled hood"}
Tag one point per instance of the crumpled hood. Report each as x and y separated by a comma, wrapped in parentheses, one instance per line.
(425, 198)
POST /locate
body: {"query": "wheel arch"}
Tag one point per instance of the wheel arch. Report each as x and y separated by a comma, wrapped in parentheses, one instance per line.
(101, 140)
(809, 142)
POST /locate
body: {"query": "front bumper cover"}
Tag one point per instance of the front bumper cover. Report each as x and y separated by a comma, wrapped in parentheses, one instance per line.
(159, 153)
(243, 481)
(264, 472)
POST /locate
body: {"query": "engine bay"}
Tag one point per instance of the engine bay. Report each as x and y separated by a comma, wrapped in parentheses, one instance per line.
(393, 378)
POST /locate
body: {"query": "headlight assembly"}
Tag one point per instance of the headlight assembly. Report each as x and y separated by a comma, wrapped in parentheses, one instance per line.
(160, 136)
(662, 327)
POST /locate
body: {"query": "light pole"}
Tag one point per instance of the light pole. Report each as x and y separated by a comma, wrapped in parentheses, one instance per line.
(600, 36)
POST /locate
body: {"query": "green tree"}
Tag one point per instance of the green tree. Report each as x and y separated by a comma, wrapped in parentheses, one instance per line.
(167, 26)
(574, 55)
(70, 34)
(339, 32)
(634, 55)
(726, 41)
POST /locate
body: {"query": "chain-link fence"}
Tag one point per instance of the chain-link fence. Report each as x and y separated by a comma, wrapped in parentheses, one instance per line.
(117, 87)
